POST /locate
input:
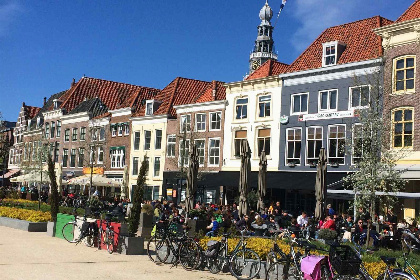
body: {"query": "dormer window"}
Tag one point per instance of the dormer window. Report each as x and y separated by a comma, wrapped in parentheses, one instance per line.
(332, 52)
(57, 103)
(149, 107)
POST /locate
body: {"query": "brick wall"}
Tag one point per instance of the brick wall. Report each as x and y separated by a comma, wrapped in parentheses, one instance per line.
(392, 101)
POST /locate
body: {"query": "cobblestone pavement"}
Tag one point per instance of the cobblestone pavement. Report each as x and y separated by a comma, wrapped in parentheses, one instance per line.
(34, 255)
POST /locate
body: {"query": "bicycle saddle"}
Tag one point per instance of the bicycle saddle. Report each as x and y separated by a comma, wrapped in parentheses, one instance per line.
(388, 260)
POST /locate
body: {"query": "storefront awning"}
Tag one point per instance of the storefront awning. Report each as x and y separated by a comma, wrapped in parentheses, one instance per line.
(397, 194)
(10, 173)
(117, 148)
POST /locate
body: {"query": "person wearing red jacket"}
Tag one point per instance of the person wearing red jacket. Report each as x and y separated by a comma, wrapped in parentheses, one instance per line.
(329, 223)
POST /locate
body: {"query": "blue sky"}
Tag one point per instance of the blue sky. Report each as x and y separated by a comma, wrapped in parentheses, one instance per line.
(45, 44)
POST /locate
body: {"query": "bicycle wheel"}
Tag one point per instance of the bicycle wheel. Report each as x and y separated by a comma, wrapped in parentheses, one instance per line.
(70, 230)
(325, 273)
(157, 249)
(189, 254)
(245, 264)
(110, 241)
(396, 276)
(277, 271)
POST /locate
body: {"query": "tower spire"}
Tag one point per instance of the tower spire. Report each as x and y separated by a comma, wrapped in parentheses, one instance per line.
(264, 45)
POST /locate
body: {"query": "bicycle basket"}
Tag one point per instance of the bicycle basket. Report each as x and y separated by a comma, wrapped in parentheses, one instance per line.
(344, 260)
(212, 248)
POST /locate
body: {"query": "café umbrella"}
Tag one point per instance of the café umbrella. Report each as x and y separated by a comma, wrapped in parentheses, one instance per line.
(321, 185)
(192, 179)
(244, 176)
(262, 187)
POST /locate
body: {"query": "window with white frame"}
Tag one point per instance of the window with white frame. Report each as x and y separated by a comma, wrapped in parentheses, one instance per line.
(81, 157)
(158, 139)
(241, 108)
(170, 146)
(357, 143)
(215, 120)
(201, 147)
(313, 144)
(47, 130)
(101, 133)
(82, 133)
(149, 108)
(200, 122)
(58, 134)
(52, 129)
(73, 158)
(127, 129)
(404, 74)
(100, 155)
(185, 123)
(214, 151)
(336, 143)
(146, 159)
(327, 100)
(113, 130)
(117, 158)
(263, 140)
(120, 130)
(136, 140)
(359, 96)
(184, 151)
(65, 157)
(330, 54)
(156, 168)
(293, 145)
(147, 139)
(135, 166)
(74, 135)
(239, 135)
(67, 135)
(299, 103)
(264, 106)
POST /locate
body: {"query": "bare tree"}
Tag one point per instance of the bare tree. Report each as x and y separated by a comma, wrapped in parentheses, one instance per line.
(375, 163)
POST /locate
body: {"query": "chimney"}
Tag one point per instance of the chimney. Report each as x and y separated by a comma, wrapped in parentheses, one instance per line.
(214, 84)
(45, 101)
(23, 104)
(73, 82)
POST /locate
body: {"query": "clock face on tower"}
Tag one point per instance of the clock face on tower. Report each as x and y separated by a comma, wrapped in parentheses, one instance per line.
(255, 64)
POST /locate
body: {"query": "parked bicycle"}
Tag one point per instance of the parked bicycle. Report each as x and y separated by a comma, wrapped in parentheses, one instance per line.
(170, 244)
(106, 236)
(243, 262)
(73, 232)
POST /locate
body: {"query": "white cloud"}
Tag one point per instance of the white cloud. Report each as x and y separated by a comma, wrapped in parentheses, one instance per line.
(315, 16)
(8, 13)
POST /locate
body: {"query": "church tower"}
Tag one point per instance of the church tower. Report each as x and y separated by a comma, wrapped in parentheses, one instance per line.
(264, 45)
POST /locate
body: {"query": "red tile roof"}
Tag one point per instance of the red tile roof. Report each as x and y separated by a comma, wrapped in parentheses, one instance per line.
(179, 92)
(269, 68)
(411, 13)
(361, 44)
(113, 94)
(215, 91)
(31, 111)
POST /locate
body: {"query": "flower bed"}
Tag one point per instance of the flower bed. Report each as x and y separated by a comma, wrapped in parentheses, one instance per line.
(24, 214)
(33, 205)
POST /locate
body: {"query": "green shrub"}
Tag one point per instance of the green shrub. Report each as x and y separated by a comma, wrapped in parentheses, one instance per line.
(327, 234)
(147, 208)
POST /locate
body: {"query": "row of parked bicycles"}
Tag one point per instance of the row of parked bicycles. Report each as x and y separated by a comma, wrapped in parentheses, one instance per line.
(98, 233)
(169, 245)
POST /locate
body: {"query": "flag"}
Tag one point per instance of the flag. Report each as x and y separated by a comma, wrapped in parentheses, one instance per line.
(283, 3)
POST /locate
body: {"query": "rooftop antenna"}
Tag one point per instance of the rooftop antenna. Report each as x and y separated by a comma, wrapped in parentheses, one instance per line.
(283, 3)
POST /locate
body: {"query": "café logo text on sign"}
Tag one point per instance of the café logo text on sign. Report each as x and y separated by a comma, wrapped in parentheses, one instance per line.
(327, 115)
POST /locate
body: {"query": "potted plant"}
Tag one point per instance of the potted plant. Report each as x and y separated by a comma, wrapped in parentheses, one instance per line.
(131, 244)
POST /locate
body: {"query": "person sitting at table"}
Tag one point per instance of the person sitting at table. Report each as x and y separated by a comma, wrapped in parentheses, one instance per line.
(259, 226)
(329, 223)
(390, 238)
(302, 220)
